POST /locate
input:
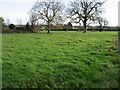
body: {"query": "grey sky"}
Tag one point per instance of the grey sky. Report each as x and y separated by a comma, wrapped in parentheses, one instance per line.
(17, 9)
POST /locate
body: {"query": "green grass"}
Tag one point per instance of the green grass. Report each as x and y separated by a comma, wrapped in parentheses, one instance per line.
(60, 60)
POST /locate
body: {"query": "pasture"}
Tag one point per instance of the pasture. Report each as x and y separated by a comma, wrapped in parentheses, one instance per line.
(60, 60)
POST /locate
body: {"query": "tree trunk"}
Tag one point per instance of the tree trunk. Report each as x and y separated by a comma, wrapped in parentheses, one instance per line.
(48, 31)
(48, 27)
(32, 27)
(79, 25)
(85, 26)
(100, 27)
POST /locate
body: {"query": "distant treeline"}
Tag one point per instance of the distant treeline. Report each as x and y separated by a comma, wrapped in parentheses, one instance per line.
(89, 29)
(27, 28)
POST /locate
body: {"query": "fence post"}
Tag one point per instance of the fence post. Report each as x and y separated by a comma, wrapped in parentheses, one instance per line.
(1, 53)
(119, 43)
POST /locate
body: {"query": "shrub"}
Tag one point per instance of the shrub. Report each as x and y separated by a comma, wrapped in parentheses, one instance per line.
(11, 26)
(28, 27)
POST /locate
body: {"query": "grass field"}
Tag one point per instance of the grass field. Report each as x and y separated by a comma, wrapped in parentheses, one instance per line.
(60, 60)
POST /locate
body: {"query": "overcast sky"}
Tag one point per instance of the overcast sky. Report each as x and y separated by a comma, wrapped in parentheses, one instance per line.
(18, 9)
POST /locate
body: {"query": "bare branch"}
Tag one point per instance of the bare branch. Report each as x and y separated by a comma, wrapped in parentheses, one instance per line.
(85, 10)
(48, 10)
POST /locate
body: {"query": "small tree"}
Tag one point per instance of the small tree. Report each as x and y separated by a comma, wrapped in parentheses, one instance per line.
(68, 26)
(28, 28)
(102, 23)
(11, 26)
(19, 22)
(8, 22)
(106, 23)
(33, 19)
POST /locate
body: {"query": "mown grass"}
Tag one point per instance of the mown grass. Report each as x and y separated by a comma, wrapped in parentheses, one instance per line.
(60, 60)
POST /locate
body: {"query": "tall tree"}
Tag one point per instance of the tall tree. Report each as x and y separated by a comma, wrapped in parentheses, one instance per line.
(85, 11)
(48, 10)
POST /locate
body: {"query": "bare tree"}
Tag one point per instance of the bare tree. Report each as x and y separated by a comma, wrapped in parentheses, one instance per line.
(48, 10)
(19, 21)
(102, 22)
(85, 11)
(8, 22)
(106, 23)
(59, 19)
(33, 20)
